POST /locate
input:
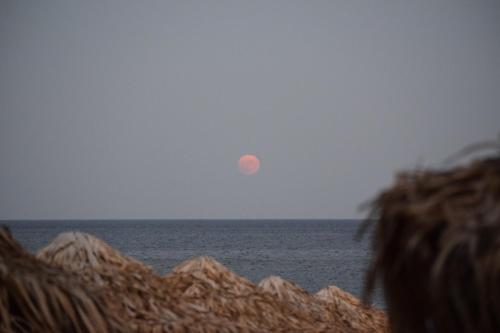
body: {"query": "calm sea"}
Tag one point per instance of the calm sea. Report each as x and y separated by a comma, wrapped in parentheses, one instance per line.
(311, 253)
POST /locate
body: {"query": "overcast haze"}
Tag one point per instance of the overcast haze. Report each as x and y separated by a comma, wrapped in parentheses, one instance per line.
(141, 109)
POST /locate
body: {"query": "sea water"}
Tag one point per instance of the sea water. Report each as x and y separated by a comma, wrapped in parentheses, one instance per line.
(311, 253)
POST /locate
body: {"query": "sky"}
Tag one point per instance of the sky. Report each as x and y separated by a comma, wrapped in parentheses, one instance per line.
(141, 109)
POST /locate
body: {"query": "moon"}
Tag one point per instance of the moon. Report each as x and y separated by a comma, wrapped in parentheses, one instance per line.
(248, 164)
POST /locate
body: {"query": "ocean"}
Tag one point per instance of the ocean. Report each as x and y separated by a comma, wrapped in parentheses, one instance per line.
(311, 253)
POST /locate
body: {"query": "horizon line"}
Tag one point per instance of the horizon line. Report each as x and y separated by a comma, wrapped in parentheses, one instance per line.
(182, 219)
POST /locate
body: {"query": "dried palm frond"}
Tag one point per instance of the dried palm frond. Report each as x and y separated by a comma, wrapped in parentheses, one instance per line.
(437, 249)
(467, 151)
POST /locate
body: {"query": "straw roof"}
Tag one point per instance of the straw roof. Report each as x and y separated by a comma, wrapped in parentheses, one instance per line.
(300, 300)
(138, 293)
(437, 249)
(205, 282)
(358, 315)
(199, 295)
(328, 305)
(286, 291)
(37, 298)
(209, 271)
(77, 250)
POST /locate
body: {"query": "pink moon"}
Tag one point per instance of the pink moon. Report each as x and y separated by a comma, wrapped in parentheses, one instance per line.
(248, 164)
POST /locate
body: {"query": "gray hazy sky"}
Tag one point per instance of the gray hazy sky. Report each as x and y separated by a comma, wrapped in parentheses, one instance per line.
(130, 109)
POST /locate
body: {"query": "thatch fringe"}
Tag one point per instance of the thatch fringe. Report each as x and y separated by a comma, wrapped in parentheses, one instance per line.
(437, 249)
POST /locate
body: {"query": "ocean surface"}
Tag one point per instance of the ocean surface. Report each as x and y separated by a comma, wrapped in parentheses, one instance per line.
(310, 253)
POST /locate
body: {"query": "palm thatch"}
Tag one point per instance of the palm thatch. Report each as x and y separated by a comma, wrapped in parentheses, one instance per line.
(207, 283)
(200, 295)
(289, 292)
(274, 305)
(140, 296)
(359, 316)
(328, 307)
(77, 250)
(37, 298)
(213, 274)
(437, 249)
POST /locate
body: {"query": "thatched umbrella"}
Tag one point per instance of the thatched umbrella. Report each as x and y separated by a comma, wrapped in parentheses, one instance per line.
(207, 283)
(77, 250)
(329, 305)
(274, 305)
(291, 293)
(38, 298)
(437, 249)
(199, 295)
(139, 295)
(359, 316)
